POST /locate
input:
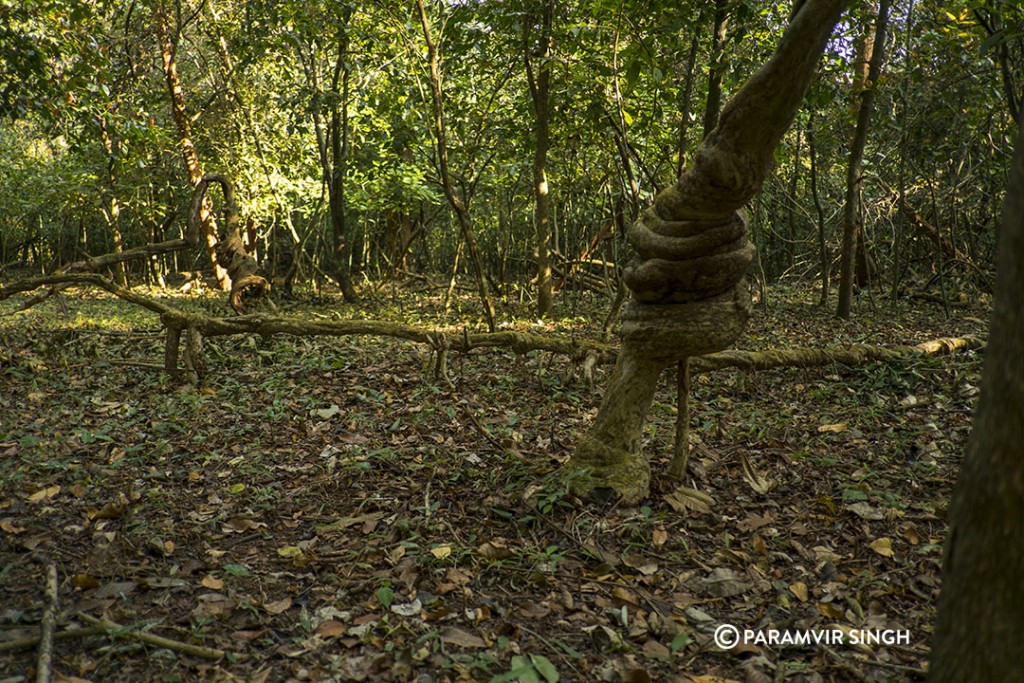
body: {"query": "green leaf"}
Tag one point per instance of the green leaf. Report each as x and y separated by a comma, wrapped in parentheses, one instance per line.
(545, 668)
(385, 596)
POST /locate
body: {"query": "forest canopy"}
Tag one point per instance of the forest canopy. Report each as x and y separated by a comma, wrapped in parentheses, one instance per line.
(298, 102)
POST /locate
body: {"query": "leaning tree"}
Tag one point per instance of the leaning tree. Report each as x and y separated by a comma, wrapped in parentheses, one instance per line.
(689, 296)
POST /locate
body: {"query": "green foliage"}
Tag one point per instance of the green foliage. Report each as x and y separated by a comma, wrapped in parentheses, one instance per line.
(87, 142)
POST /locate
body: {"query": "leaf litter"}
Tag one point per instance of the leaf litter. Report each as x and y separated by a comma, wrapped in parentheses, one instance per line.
(326, 510)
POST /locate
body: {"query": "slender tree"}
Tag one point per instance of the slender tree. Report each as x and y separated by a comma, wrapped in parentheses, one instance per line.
(168, 50)
(719, 28)
(871, 52)
(538, 75)
(440, 141)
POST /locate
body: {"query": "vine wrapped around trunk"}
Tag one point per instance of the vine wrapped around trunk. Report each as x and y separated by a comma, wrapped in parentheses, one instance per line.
(246, 286)
(689, 297)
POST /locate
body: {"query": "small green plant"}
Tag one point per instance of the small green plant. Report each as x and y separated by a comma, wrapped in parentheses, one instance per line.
(529, 669)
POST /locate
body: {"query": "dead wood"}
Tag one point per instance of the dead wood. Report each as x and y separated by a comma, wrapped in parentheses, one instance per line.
(853, 355)
(155, 640)
(44, 660)
(30, 642)
(584, 352)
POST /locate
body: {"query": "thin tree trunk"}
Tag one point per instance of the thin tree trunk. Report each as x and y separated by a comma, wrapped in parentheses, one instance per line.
(714, 100)
(168, 49)
(793, 183)
(684, 113)
(871, 53)
(112, 212)
(342, 243)
(826, 262)
(992, 25)
(462, 213)
(540, 94)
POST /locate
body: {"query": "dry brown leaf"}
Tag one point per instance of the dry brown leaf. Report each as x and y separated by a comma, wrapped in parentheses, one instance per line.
(331, 629)
(213, 583)
(827, 609)
(44, 494)
(278, 606)
(866, 511)
(240, 525)
(799, 589)
(441, 551)
(757, 482)
(882, 546)
(10, 526)
(345, 522)
(112, 510)
(720, 583)
(625, 595)
(685, 499)
(835, 428)
(755, 522)
(640, 563)
(460, 638)
(494, 550)
(84, 581)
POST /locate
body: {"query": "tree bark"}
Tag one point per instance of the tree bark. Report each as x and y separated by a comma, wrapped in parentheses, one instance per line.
(168, 48)
(689, 297)
(339, 168)
(112, 212)
(713, 104)
(979, 635)
(540, 94)
(458, 206)
(871, 52)
(823, 255)
(247, 287)
(684, 113)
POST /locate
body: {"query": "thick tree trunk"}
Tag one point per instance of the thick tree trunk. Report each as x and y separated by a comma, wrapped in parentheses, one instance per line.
(689, 297)
(540, 94)
(184, 126)
(871, 52)
(980, 631)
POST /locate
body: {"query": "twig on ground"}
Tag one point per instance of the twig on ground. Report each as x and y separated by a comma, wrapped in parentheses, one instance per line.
(158, 641)
(44, 661)
(30, 642)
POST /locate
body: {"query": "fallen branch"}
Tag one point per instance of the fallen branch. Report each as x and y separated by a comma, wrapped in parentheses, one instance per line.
(857, 354)
(157, 641)
(583, 352)
(44, 660)
(30, 642)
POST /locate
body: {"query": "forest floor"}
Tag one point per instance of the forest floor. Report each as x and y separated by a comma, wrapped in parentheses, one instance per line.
(327, 510)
